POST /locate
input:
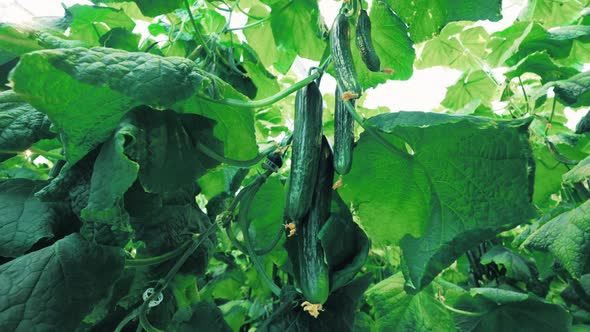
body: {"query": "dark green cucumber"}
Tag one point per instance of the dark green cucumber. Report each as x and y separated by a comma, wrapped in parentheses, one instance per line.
(364, 42)
(343, 136)
(313, 269)
(342, 56)
(305, 151)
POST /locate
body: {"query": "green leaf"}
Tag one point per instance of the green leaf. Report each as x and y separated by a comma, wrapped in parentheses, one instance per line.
(24, 220)
(203, 316)
(578, 173)
(55, 287)
(552, 13)
(154, 8)
(575, 91)
(89, 23)
(504, 310)
(260, 36)
(455, 47)
(567, 237)
(515, 265)
(521, 39)
(395, 49)
(296, 28)
(20, 124)
(426, 18)
(15, 41)
(345, 244)
(540, 63)
(266, 213)
(121, 39)
(471, 85)
(70, 82)
(395, 310)
(438, 211)
(266, 83)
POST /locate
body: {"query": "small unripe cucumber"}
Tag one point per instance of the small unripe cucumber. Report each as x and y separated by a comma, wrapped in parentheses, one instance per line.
(314, 272)
(305, 152)
(342, 56)
(343, 136)
(364, 42)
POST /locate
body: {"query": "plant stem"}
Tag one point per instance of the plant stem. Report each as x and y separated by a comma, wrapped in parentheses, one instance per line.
(266, 101)
(550, 117)
(262, 20)
(200, 39)
(238, 163)
(140, 262)
(462, 312)
(526, 98)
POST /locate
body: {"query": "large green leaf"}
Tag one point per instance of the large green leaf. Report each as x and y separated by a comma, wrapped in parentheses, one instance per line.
(266, 213)
(472, 85)
(455, 47)
(20, 124)
(464, 179)
(540, 63)
(260, 36)
(567, 237)
(89, 23)
(504, 310)
(392, 44)
(14, 41)
(70, 83)
(426, 18)
(24, 220)
(54, 288)
(203, 316)
(523, 38)
(575, 91)
(297, 28)
(345, 245)
(515, 264)
(395, 310)
(552, 13)
(578, 173)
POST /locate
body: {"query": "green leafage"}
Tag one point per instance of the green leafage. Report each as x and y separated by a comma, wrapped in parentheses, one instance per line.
(202, 316)
(437, 210)
(20, 124)
(515, 265)
(395, 310)
(14, 41)
(297, 28)
(574, 91)
(540, 63)
(151, 8)
(504, 310)
(121, 39)
(567, 237)
(455, 48)
(260, 36)
(89, 23)
(521, 39)
(578, 173)
(426, 18)
(24, 220)
(392, 44)
(552, 13)
(345, 244)
(471, 85)
(71, 82)
(55, 287)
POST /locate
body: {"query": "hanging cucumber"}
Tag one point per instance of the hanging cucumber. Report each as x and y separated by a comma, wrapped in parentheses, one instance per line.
(305, 151)
(342, 57)
(343, 136)
(313, 269)
(364, 42)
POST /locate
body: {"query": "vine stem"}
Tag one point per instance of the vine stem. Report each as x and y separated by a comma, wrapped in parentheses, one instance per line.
(200, 38)
(526, 98)
(37, 151)
(550, 117)
(140, 262)
(238, 163)
(262, 20)
(462, 312)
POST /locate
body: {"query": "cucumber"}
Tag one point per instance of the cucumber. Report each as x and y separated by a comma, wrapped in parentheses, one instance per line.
(364, 42)
(305, 152)
(343, 136)
(313, 269)
(342, 56)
